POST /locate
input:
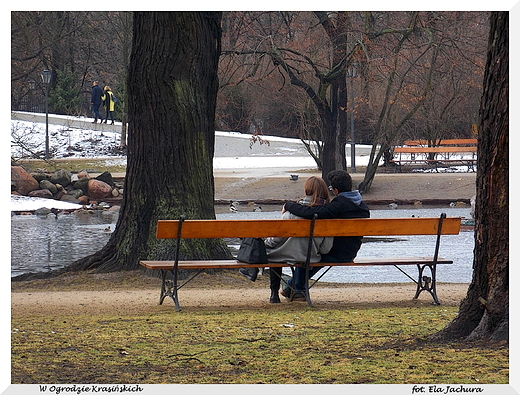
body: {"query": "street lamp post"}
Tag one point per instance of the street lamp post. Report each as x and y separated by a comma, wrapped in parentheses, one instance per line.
(46, 78)
(351, 73)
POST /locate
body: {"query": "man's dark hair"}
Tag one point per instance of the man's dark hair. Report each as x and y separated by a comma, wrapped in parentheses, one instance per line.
(340, 180)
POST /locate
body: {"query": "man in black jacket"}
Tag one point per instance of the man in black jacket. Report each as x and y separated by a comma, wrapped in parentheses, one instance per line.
(95, 100)
(347, 204)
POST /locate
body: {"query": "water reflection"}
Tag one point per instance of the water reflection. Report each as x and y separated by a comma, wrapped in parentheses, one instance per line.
(43, 243)
(46, 243)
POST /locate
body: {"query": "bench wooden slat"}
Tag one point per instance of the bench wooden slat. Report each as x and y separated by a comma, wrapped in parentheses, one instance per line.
(234, 264)
(439, 160)
(428, 150)
(385, 227)
(396, 261)
(168, 229)
(442, 142)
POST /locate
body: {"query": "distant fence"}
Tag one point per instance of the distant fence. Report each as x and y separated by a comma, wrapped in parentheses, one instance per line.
(29, 104)
(36, 103)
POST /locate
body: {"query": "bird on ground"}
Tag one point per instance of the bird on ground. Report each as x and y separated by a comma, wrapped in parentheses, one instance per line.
(393, 205)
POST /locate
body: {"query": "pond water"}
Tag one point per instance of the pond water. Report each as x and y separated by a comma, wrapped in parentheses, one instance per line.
(45, 243)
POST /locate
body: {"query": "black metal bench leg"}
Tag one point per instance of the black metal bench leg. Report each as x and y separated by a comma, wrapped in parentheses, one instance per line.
(175, 287)
(175, 297)
(169, 288)
(307, 266)
(293, 291)
(307, 291)
(428, 284)
(307, 295)
(164, 291)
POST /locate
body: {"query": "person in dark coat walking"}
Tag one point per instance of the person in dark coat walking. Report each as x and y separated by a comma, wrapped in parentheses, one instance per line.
(95, 100)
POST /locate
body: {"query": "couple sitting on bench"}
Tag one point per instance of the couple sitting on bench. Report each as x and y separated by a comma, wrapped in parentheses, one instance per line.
(347, 204)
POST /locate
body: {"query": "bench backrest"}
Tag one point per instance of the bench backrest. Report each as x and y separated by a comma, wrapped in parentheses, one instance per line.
(442, 142)
(418, 150)
(169, 229)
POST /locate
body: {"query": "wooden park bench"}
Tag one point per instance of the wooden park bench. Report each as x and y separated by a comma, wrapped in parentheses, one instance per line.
(450, 151)
(194, 229)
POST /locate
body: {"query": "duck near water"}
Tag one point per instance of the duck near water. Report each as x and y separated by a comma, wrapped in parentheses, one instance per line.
(233, 207)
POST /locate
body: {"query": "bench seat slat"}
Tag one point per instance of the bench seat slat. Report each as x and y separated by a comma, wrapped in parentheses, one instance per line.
(168, 229)
(234, 264)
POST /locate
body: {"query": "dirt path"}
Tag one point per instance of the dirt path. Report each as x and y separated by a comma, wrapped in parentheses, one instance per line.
(128, 292)
(113, 302)
(239, 185)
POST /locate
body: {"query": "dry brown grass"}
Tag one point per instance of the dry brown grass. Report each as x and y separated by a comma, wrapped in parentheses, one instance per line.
(285, 343)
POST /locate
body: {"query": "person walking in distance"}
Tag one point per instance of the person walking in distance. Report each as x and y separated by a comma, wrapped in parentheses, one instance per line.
(108, 101)
(95, 100)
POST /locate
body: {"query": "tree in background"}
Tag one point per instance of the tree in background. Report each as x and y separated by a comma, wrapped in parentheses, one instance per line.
(63, 96)
(284, 73)
(308, 51)
(411, 67)
(172, 87)
(484, 313)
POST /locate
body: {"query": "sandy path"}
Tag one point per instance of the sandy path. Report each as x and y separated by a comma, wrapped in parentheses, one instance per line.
(121, 301)
(251, 185)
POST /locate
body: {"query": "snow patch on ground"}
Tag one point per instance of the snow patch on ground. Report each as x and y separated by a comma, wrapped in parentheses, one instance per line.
(25, 203)
(28, 138)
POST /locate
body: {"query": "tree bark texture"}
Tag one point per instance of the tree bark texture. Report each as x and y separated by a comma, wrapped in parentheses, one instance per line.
(334, 124)
(172, 87)
(484, 313)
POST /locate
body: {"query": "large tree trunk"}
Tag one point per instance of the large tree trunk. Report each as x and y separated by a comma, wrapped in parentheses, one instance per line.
(484, 313)
(172, 87)
(328, 160)
(335, 121)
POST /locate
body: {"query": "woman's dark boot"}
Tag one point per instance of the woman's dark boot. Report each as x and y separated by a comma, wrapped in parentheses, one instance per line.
(275, 274)
(275, 298)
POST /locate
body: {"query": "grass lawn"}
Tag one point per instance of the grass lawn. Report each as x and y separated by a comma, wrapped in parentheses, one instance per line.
(294, 344)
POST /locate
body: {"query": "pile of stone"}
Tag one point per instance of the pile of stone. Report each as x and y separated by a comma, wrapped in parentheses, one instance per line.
(63, 185)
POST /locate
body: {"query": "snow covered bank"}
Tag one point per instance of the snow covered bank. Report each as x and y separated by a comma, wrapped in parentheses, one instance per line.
(25, 203)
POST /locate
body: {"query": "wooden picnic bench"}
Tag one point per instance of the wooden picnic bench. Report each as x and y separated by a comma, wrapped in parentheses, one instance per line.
(193, 229)
(452, 151)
